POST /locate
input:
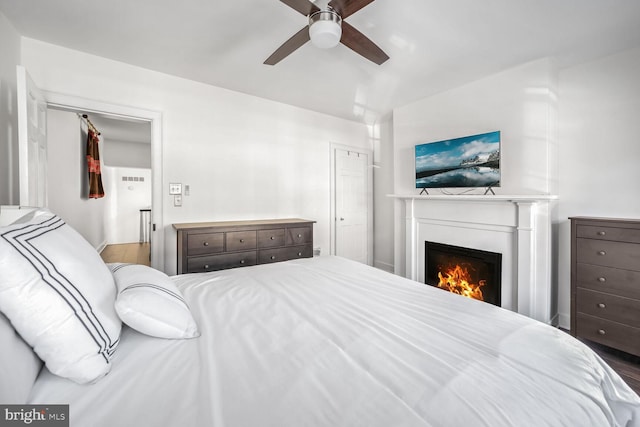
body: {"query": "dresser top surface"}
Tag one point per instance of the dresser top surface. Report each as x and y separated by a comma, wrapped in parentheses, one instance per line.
(250, 223)
(633, 221)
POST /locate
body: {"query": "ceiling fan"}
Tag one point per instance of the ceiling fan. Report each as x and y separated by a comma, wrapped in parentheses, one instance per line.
(327, 28)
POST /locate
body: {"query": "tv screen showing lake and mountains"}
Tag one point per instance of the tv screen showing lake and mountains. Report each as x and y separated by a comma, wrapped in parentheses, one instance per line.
(469, 161)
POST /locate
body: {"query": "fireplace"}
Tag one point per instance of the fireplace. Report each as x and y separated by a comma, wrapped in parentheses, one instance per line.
(470, 272)
(518, 227)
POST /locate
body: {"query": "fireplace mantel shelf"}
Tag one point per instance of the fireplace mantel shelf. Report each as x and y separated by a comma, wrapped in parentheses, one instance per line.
(478, 197)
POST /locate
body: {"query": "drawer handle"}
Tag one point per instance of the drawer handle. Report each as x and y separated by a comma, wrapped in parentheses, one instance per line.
(299, 236)
(601, 233)
(206, 243)
(206, 266)
(602, 332)
(299, 253)
(241, 261)
(272, 238)
(602, 253)
(602, 279)
(241, 240)
(601, 305)
(273, 257)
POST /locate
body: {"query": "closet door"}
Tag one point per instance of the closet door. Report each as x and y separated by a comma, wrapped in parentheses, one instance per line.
(351, 205)
(32, 141)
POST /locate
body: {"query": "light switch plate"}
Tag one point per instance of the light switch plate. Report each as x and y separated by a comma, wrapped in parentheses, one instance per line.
(177, 200)
(175, 188)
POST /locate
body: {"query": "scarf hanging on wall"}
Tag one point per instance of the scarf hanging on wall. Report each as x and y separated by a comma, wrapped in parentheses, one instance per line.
(93, 164)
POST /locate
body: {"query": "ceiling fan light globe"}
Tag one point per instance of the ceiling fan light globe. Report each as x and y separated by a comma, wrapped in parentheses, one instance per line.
(325, 29)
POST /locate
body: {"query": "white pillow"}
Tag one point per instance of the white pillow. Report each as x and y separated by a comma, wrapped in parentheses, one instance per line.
(59, 295)
(149, 302)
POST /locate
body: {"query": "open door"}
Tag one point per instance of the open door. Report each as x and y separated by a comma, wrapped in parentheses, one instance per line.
(32, 141)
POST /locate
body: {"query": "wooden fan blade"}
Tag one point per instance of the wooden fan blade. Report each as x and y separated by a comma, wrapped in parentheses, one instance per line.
(360, 44)
(305, 7)
(297, 40)
(348, 7)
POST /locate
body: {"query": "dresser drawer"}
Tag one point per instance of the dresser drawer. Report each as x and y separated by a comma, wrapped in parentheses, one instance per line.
(609, 254)
(613, 334)
(271, 238)
(295, 252)
(241, 240)
(609, 233)
(220, 262)
(610, 307)
(266, 256)
(625, 283)
(205, 243)
(299, 236)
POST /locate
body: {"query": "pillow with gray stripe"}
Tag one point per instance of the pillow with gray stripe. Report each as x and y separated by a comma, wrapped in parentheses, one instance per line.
(149, 302)
(58, 294)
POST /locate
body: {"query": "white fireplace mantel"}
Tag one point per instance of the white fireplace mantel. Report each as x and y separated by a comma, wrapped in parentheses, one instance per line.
(479, 197)
(517, 226)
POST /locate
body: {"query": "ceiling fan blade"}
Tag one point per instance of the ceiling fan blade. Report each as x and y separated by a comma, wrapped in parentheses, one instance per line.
(297, 40)
(348, 7)
(305, 7)
(360, 44)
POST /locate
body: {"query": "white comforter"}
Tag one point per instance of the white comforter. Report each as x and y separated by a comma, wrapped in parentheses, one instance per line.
(329, 342)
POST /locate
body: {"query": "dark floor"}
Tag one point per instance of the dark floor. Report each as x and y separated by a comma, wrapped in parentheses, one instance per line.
(625, 364)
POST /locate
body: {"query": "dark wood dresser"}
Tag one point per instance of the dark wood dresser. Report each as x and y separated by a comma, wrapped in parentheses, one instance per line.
(605, 281)
(210, 246)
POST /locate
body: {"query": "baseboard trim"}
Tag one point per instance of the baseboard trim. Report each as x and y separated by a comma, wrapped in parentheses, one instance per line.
(564, 321)
(383, 266)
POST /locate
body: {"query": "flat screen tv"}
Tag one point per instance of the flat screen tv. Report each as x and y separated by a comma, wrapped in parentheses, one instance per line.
(470, 161)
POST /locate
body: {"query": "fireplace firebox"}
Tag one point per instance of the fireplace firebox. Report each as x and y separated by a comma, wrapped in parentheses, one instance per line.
(466, 271)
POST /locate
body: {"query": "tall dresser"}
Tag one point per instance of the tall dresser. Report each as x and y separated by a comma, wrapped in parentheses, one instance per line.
(210, 246)
(605, 281)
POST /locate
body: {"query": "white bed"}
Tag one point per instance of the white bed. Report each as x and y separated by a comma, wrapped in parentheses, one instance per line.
(329, 342)
(313, 342)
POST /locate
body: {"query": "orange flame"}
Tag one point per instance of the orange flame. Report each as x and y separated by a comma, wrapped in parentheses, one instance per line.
(457, 280)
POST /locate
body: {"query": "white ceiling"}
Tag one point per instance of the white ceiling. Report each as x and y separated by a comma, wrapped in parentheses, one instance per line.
(433, 44)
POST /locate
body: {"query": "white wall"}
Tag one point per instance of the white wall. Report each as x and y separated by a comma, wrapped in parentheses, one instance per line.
(126, 154)
(244, 157)
(67, 177)
(9, 58)
(599, 149)
(520, 102)
(124, 199)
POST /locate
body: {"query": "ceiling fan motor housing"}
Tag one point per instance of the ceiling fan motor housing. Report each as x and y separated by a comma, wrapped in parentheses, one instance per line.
(325, 28)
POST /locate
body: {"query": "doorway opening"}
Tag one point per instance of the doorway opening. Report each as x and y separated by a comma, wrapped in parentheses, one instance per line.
(126, 154)
(132, 156)
(112, 223)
